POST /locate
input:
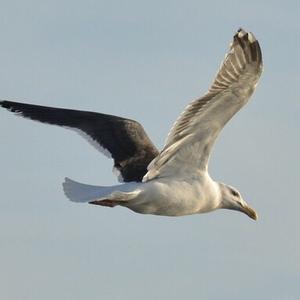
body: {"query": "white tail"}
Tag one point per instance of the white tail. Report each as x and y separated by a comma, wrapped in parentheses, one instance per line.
(82, 193)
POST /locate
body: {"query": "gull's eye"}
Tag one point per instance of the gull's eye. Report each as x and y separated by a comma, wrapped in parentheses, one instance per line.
(234, 193)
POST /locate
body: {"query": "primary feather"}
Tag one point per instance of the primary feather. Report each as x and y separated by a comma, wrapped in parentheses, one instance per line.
(189, 143)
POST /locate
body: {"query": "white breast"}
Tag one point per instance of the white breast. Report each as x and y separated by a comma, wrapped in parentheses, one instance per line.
(177, 196)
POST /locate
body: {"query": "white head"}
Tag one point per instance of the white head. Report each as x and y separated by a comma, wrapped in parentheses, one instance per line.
(231, 199)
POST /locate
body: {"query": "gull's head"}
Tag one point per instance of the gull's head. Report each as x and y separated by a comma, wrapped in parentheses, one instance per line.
(232, 199)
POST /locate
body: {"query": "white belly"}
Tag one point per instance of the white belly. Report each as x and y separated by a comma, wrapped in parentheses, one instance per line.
(175, 197)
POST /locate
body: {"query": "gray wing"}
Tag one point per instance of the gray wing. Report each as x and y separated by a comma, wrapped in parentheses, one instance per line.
(192, 137)
(122, 139)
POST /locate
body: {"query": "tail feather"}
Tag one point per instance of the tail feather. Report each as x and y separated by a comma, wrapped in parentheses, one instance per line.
(83, 193)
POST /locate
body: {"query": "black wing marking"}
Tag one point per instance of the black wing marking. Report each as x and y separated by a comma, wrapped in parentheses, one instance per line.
(125, 139)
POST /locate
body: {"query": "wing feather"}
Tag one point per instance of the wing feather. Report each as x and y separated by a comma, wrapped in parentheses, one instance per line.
(122, 139)
(198, 126)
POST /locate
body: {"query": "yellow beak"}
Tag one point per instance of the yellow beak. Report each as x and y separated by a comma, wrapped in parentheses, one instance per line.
(249, 212)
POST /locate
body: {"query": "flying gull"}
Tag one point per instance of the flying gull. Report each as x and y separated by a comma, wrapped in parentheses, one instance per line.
(175, 180)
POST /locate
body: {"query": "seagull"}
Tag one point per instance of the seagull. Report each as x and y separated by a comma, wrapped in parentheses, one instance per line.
(174, 181)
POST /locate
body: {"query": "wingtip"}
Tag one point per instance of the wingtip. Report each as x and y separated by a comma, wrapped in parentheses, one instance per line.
(11, 106)
(248, 42)
(242, 34)
(2, 103)
(8, 105)
(244, 51)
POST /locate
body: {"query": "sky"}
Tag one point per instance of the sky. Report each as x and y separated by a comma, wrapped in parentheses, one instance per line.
(146, 60)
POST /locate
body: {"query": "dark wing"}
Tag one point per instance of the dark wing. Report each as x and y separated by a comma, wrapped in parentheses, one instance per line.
(122, 139)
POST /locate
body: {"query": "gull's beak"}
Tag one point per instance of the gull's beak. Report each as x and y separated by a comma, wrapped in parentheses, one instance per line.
(249, 211)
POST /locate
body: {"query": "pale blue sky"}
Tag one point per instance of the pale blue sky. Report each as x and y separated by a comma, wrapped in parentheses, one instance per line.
(146, 60)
